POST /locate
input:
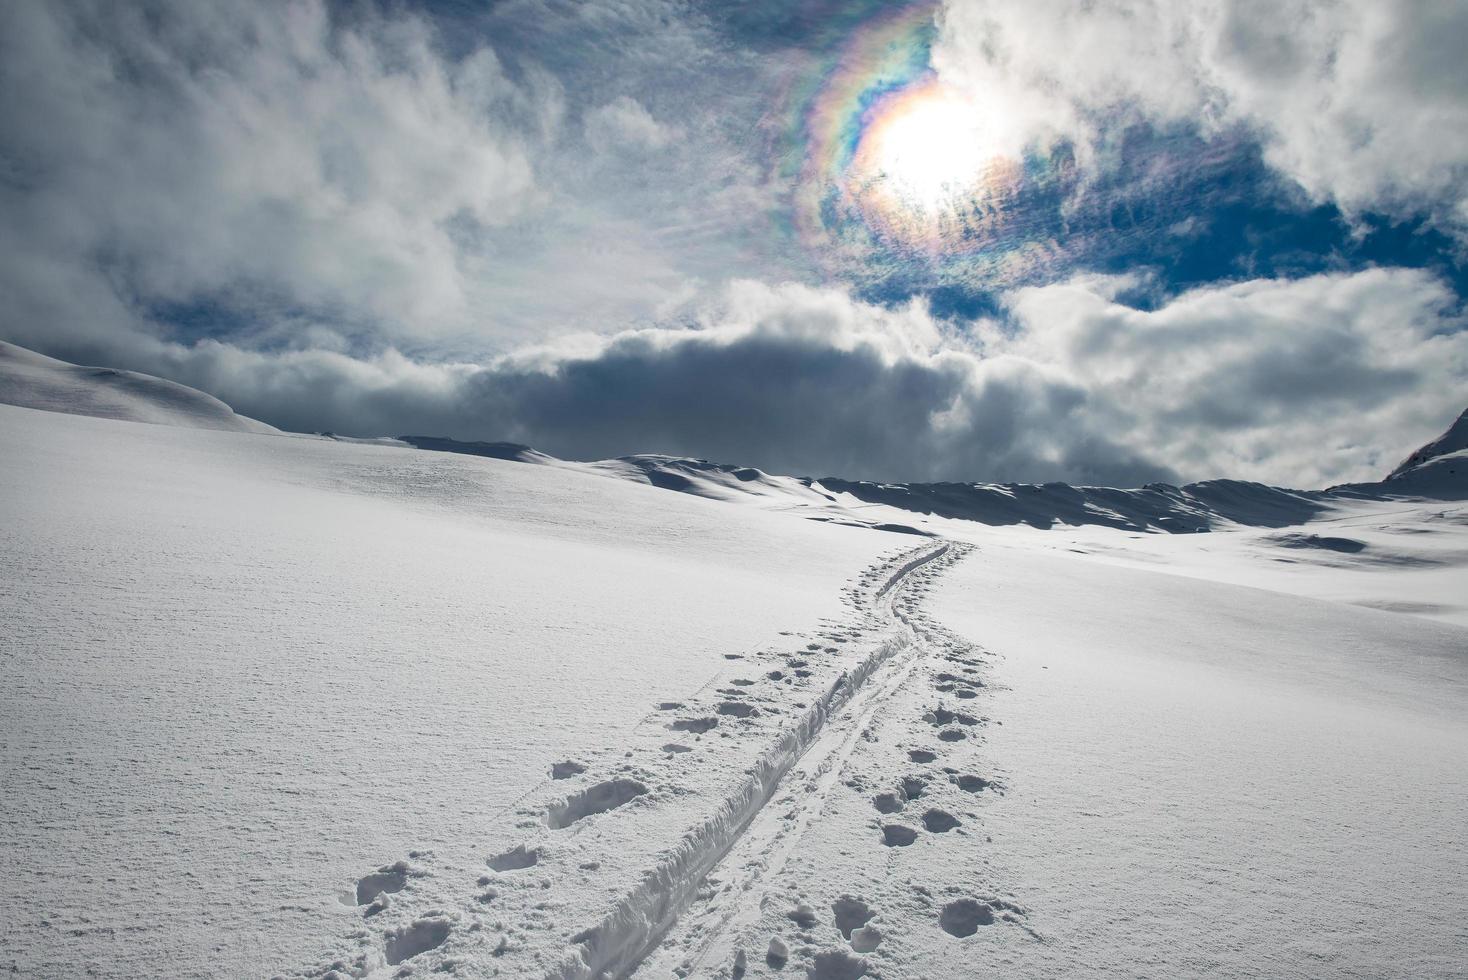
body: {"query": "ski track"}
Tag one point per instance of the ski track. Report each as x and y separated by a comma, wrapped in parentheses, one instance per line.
(589, 872)
(764, 849)
(847, 820)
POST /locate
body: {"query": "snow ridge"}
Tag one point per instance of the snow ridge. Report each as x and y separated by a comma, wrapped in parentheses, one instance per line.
(31, 380)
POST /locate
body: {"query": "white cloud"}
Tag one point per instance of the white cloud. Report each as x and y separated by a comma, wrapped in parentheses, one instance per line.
(372, 170)
(1300, 382)
(1361, 102)
(625, 124)
(257, 149)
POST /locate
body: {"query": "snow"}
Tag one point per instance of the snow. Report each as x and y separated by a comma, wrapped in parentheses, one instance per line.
(245, 670)
(33, 380)
(1211, 779)
(1454, 440)
(310, 706)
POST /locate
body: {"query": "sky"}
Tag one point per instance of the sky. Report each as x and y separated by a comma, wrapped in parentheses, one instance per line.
(982, 240)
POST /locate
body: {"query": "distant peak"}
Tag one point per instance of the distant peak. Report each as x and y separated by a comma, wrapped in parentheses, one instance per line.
(514, 451)
(1451, 441)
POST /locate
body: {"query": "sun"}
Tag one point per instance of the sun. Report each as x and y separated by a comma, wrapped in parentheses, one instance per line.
(926, 154)
(930, 146)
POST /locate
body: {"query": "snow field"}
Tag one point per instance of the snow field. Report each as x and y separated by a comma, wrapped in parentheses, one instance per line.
(244, 671)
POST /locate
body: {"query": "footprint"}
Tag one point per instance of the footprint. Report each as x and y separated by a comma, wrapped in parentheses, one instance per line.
(695, 725)
(777, 955)
(964, 694)
(964, 916)
(670, 705)
(896, 835)
(942, 717)
(565, 770)
(738, 709)
(886, 803)
(598, 799)
(940, 821)
(973, 784)
(673, 748)
(836, 964)
(741, 682)
(515, 859)
(851, 914)
(952, 735)
(913, 786)
(955, 679)
(419, 937)
(921, 755)
(385, 880)
(776, 675)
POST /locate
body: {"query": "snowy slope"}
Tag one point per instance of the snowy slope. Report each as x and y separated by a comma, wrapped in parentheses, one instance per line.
(322, 707)
(33, 380)
(1205, 779)
(243, 671)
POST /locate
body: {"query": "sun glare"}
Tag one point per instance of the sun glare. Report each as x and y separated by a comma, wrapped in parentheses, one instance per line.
(927, 156)
(931, 148)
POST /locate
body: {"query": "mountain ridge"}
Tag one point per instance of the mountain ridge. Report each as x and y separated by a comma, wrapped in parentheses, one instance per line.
(1437, 470)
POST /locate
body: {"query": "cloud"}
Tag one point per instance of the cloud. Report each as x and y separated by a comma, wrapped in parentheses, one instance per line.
(367, 175)
(624, 124)
(266, 155)
(360, 218)
(1362, 103)
(1296, 382)
(1300, 382)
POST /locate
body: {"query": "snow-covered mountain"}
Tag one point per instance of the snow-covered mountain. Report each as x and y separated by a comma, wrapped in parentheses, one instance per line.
(303, 706)
(1451, 442)
(1438, 469)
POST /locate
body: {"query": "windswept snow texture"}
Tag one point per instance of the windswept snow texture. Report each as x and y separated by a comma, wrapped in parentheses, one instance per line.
(245, 673)
(33, 380)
